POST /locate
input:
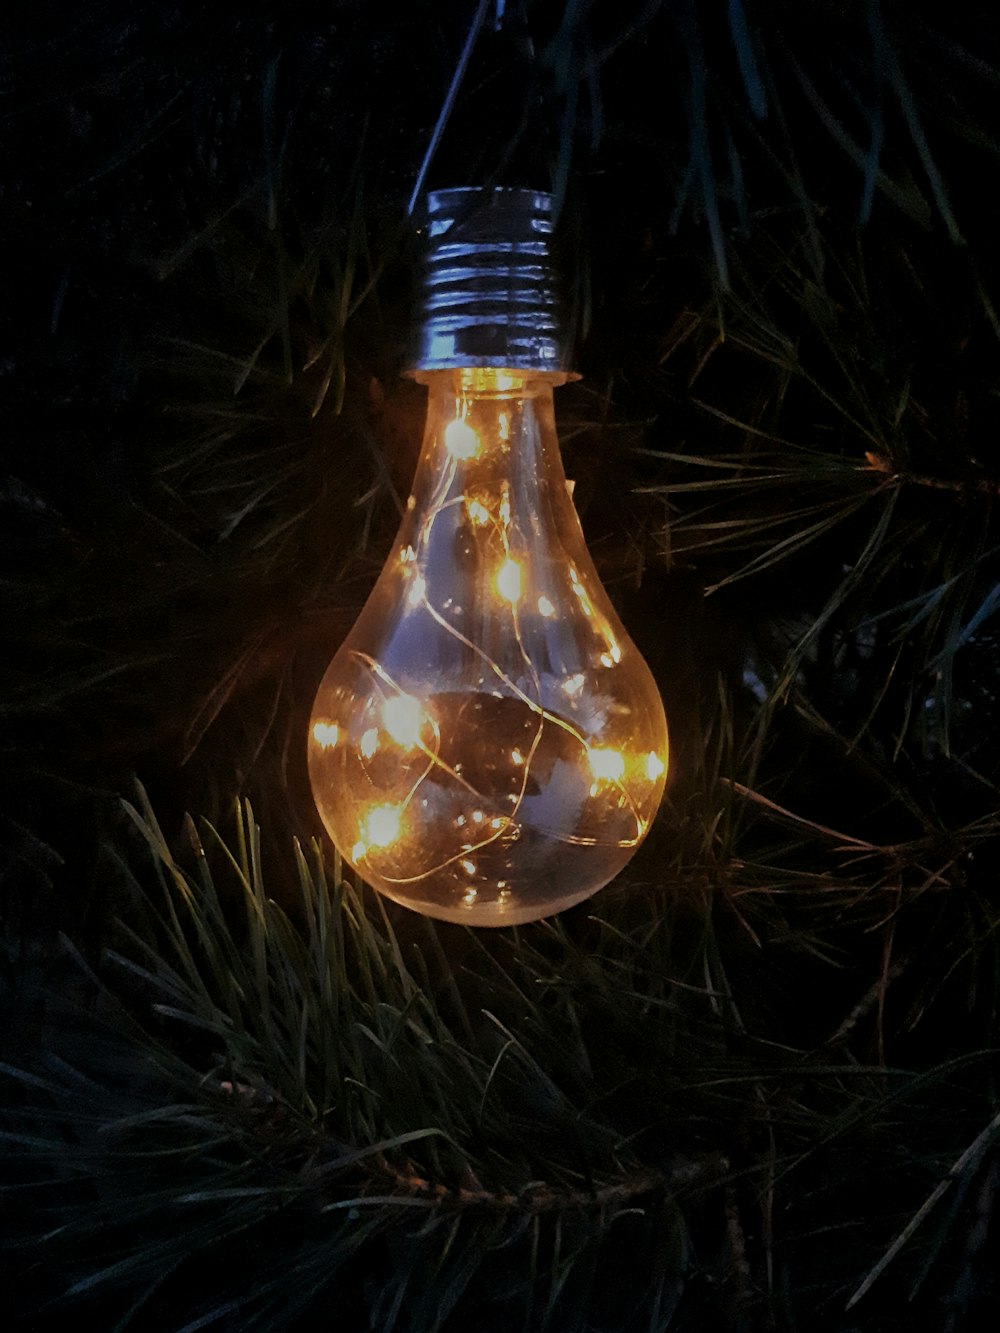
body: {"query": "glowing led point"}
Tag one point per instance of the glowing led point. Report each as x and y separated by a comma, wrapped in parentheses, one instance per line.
(608, 764)
(461, 440)
(416, 594)
(468, 866)
(382, 825)
(325, 734)
(580, 591)
(478, 512)
(505, 505)
(469, 897)
(574, 685)
(546, 608)
(517, 756)
(407, 555)
(358, 851)
(654, 766)
(607, 660)
(614, 652)
(509, 581)
(403, 718)
(369, 742)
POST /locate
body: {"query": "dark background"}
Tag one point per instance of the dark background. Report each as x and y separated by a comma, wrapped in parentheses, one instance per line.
(750, 1063)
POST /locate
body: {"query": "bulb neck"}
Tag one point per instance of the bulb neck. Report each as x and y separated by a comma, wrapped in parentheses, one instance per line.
(491, 381)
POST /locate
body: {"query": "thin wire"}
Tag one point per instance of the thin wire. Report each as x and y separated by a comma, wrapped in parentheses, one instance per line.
(449, 101)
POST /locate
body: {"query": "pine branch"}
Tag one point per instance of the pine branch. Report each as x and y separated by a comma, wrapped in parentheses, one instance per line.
(972, 485)
(538, 1197)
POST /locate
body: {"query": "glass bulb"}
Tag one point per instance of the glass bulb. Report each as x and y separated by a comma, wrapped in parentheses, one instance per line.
(488, 746)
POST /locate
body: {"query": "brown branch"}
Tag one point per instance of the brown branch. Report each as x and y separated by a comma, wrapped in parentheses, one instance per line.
(539, 1197)
(982, 485)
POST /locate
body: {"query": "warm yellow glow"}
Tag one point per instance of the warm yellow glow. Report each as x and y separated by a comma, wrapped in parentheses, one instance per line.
(461, 440)
(369, 742)
(509, 580)
(382, 825)
(403, 719)
(580, 591)
(455, 737)
(607, 764)
(488, 379)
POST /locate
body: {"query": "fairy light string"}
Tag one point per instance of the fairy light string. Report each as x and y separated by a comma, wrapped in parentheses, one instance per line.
(404, 718)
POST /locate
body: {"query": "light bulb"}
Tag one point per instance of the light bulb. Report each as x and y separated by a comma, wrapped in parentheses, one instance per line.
(488, 745)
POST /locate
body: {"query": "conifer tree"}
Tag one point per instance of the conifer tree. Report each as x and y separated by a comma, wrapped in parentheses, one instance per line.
(751, 1084)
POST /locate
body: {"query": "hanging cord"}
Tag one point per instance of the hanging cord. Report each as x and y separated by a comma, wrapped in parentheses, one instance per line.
(456, 81)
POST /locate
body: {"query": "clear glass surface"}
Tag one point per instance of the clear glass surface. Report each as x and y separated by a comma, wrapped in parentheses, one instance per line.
(488, 746)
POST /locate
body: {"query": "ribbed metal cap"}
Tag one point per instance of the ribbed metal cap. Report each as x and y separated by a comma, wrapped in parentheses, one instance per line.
(489, 294)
